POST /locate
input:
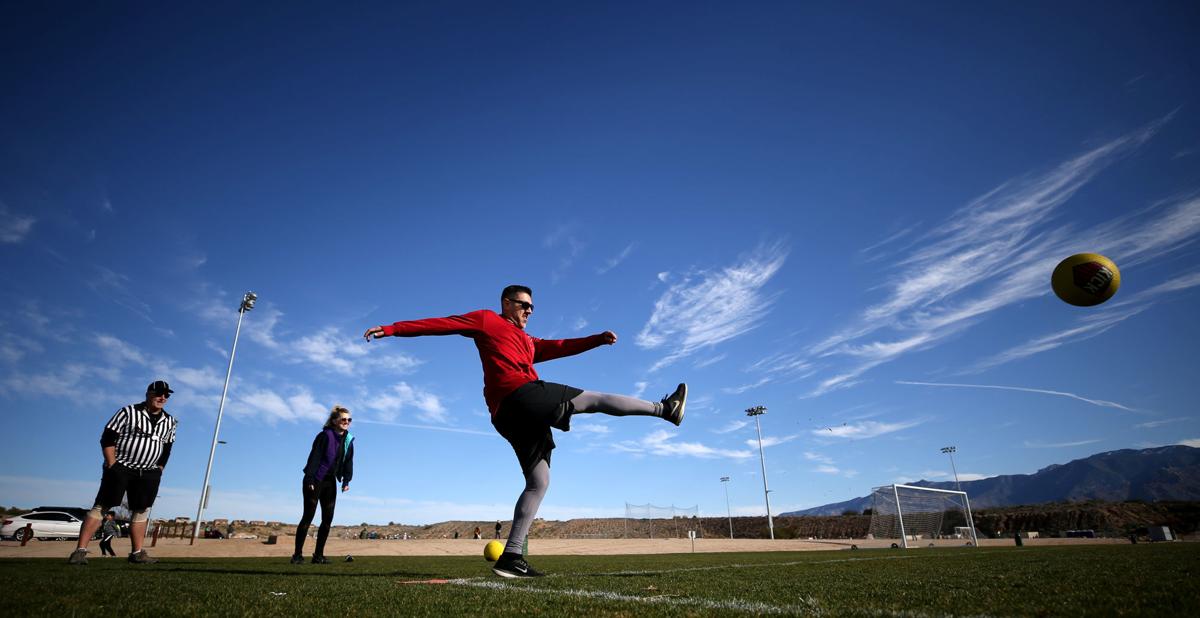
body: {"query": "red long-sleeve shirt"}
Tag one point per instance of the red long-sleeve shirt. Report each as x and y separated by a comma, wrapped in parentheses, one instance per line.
(507, 352)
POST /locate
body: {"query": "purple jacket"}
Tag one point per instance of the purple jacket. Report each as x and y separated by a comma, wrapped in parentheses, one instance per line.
(325, 458)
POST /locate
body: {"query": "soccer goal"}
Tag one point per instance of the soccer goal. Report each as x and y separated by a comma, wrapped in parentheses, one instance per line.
(647, 520)
(914, 514)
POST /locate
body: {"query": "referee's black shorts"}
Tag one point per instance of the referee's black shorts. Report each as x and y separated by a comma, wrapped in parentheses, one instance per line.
(119, 480)
(527, 414)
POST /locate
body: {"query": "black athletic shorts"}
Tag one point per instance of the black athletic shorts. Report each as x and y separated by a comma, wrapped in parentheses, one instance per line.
(141, 485)
(527, 414)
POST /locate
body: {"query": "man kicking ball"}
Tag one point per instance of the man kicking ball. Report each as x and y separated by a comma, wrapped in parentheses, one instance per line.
(523, 407)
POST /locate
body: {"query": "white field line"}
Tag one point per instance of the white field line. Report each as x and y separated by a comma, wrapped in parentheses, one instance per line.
(810, 605)
(754, 607)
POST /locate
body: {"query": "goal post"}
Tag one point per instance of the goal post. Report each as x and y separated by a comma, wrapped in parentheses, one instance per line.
(911, 513)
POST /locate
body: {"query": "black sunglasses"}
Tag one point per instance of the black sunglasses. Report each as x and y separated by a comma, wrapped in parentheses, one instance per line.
(346, 419)
(163, 395)
(520, 303)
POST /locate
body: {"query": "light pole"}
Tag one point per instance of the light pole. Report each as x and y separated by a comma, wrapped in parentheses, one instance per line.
(949, 450)
(247, 304)
(756, 412)
(725, 484)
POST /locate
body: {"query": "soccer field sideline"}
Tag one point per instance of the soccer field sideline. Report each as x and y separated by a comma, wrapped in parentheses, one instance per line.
(256, 548)
(1146, 579)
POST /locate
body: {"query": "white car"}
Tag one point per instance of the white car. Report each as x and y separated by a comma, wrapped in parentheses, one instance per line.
(46, 525)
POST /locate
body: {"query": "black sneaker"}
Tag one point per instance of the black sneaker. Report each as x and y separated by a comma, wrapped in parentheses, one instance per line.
(297, 559)
(79, 557)
(320, 560)
(510, 565)
(673, 405)
(141, 557)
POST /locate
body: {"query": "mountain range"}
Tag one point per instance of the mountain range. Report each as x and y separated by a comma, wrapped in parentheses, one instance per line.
(1153, 474)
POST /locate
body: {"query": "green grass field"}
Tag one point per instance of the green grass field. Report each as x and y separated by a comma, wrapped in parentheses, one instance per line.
(1159, 579)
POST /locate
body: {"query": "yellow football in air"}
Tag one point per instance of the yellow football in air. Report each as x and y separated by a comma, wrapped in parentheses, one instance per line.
(1085, 279)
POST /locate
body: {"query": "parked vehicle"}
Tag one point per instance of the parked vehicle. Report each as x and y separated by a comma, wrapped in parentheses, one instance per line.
(46, 525)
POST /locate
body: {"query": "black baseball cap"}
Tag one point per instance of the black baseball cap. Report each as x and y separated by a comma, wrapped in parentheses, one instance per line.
(159, 386)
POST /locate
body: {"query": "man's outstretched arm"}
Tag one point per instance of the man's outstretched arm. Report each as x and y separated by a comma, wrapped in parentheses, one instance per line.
(550, 349)
(467, 325)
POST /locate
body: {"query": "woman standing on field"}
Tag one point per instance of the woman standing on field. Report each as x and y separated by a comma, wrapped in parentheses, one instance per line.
(330, 460)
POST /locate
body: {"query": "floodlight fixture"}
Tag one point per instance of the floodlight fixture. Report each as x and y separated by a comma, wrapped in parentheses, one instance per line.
(950, 450)
(247, 304)
(756, 412)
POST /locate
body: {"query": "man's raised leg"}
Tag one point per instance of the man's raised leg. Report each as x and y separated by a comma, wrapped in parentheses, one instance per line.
(670, 407)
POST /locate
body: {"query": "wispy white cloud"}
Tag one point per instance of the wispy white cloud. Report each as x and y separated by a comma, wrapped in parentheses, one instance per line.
(770, 441)
(865, 429)
(595, 428)
(995, 252)
(14, 228)
(1030, 444)
(116, 287)
(707, 362)
(119, 353)
(335, 351)
(1160, 423)
(473, 432)
(272, 407)
(738, 390)
(1093, 324)
(1096, 402)
(1192, 442)
(731, 427)
(869, 251)
(616, 260)
(14, 348)
(67, 380)
(564, 237)
(662, 443)
(710, 307)
(389, 403)
(782, 366)
(259, 325)
(817, 457)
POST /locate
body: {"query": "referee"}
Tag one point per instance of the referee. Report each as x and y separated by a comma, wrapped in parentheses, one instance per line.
(136, 444)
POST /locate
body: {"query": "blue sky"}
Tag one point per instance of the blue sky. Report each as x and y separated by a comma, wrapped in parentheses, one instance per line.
(847, 215)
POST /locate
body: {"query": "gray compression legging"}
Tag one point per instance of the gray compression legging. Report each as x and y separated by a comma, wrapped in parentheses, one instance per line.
(537, 481)
(615, 405)
(537, 478)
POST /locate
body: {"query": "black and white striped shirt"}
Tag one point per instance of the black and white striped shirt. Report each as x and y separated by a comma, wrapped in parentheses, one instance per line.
(140, 440)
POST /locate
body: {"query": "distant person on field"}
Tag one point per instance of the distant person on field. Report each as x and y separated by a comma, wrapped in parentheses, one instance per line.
(330, 460)
(498, 527)
(523, 407)
(108, 531)
(136, 444)
(478, 533)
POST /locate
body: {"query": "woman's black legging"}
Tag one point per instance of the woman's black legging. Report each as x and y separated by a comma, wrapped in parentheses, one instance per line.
(325, 494)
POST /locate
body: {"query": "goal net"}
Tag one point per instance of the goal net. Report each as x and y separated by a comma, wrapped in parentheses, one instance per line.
(915, 514)
(650, 521)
